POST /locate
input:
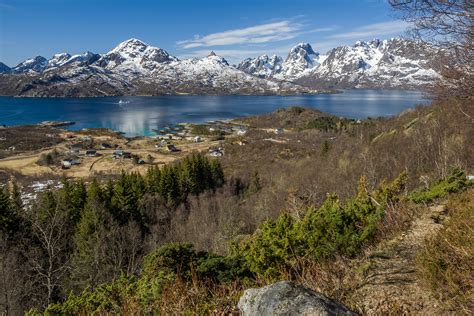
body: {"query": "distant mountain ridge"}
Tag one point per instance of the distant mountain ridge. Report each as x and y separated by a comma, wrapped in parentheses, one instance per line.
(136, 68)
(394, 63)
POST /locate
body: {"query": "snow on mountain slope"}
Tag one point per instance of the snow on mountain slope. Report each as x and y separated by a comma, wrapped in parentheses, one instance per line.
(300, 58)
(390, 64)
(134, 67)
(58, 60)
(33, 65)
(262, 66)
(395, 63)
(134, 56)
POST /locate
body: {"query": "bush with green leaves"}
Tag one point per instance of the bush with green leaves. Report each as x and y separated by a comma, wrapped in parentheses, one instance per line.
(335, 228)
(456, 182)
(106, 298)
(181, 259)
(160, 269)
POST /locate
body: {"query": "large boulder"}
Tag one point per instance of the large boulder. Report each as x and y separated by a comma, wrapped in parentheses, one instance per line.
(286, 298)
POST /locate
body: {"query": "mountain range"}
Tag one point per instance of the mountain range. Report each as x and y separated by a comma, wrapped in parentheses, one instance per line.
(136, 68)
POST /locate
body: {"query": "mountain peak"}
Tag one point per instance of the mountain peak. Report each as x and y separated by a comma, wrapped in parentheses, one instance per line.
(36, 64)
(214, 57)
(134, 55)
(306, 47)
(131, 44)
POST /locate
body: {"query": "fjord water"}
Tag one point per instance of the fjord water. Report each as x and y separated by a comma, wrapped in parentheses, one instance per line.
(140, 115)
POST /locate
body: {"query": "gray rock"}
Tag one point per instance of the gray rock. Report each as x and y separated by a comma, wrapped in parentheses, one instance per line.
(286, 298)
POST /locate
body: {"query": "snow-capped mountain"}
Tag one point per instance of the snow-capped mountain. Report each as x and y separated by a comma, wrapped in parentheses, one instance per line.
(395, 63)
(262, 66)
(33, 65)
(134, 56)
(299, 60)
(134, 67)
(64, 59)
(58, 60)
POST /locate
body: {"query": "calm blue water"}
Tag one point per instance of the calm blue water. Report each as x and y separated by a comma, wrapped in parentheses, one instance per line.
(142, 114)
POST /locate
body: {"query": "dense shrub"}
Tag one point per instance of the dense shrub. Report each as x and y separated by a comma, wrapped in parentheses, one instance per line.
(106, 298)
(335, 228)
(454, 183)
(162, 268)
(183, 260)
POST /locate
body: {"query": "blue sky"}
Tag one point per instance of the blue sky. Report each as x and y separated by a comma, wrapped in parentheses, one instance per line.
(234, 29)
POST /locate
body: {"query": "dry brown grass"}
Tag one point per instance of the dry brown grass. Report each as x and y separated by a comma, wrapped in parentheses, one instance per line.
(199, 298)
(446, 262)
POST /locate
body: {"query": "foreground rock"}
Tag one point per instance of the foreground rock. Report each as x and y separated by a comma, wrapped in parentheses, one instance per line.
(286, 298)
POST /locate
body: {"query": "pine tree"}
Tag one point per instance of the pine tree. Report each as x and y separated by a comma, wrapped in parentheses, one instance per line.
(9, 221)
(88, 240)
(169, 186)
(16, 201)
(153, 179)
(217, 173)
(123, 200)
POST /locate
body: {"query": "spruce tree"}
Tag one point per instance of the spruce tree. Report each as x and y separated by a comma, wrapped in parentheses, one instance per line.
(217, 173)
(86, 260)
(9, 221)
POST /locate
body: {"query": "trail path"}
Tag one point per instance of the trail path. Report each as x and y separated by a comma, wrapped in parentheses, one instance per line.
(390, 285)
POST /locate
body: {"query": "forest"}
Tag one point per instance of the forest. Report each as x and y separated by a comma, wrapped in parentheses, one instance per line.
(336, 206)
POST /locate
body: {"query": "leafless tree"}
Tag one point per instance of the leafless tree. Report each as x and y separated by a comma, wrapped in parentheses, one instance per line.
(48, 257)
(449, 25)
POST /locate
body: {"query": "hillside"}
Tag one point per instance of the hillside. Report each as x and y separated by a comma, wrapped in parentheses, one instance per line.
(321, 200)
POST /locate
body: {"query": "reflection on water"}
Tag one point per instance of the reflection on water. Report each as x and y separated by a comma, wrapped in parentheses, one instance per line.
(139, 115)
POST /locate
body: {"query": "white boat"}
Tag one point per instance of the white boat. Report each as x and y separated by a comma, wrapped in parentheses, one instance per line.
(123, 102)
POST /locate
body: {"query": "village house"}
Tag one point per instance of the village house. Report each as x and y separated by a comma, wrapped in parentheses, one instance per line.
(69, 162)
(117, 154)
(76, 147)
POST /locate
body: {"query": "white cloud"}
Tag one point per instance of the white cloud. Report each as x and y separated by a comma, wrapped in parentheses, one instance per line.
(263, 33)
(373, 30)
(321, 29)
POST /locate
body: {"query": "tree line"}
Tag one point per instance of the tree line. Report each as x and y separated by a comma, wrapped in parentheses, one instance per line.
(82, 235)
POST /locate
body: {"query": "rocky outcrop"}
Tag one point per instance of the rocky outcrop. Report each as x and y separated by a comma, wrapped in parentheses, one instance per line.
(286, 298)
